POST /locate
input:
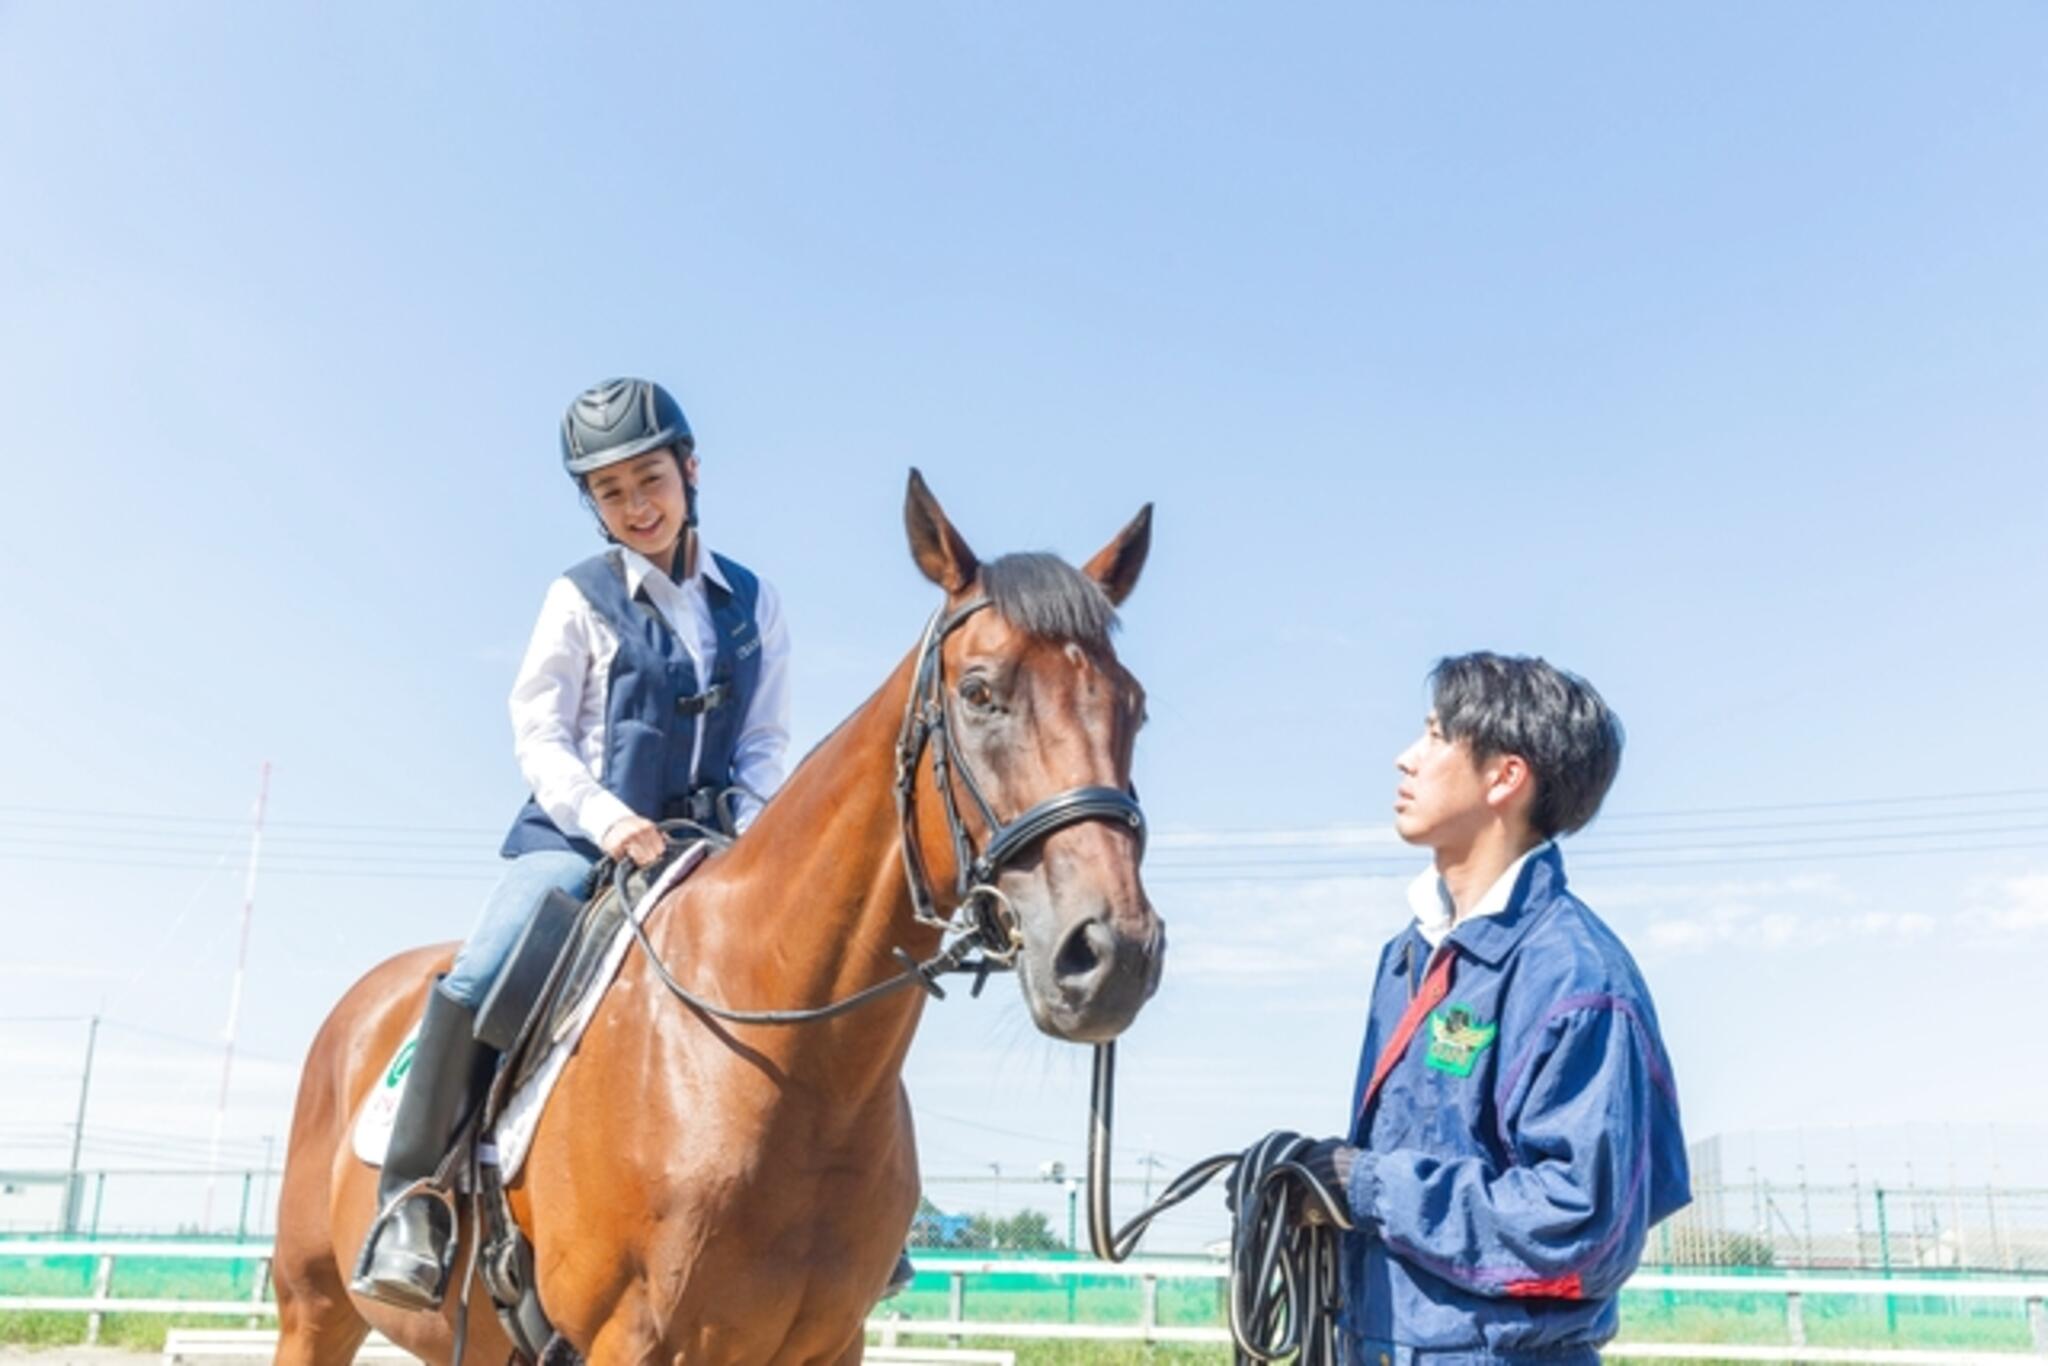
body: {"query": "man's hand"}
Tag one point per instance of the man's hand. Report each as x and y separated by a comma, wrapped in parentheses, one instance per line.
(1329, 1160)
(635, 838)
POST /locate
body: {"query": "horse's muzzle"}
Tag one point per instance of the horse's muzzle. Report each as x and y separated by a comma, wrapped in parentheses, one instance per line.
(1097, 978)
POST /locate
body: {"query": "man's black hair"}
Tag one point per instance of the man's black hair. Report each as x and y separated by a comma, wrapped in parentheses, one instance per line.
(1515, 704)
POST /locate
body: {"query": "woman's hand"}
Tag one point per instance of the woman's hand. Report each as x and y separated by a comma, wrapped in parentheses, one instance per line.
(635, 838)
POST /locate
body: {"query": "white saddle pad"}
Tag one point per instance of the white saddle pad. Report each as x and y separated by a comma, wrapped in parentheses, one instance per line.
(513, 1134)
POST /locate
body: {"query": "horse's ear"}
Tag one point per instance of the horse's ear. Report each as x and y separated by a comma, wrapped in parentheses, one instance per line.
(1117, 565)
(939, 550)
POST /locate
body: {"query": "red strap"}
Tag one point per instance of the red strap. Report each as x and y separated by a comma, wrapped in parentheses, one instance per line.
(1555, 1288)
(1435, 987)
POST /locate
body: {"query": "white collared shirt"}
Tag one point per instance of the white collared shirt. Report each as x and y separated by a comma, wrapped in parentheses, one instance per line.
(1435, 913)
(558, 700)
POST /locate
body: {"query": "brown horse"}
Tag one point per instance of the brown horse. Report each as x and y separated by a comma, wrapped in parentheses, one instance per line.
(713, 1192)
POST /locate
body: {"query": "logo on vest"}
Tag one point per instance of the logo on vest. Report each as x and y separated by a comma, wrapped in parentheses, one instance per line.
(749, 648)
(1456, 1040)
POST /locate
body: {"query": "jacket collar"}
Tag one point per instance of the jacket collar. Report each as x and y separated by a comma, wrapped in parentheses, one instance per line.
(639, 569)
(1491, 938)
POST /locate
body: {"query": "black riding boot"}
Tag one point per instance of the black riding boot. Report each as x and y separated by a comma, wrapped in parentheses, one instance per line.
(901, 1277)
(407, 1251)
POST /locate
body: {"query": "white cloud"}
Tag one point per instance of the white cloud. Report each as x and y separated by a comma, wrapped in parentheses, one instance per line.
(2009, 905)
(1317, 837)
(1280, 933)
(1810, 910)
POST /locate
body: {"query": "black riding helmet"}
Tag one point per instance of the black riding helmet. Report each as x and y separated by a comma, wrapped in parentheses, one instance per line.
(619, 419)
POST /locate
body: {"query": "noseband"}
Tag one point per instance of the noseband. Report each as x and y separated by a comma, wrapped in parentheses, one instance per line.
(982, 909)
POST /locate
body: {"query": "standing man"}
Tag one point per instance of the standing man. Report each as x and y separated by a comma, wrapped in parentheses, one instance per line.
(1514, 1127)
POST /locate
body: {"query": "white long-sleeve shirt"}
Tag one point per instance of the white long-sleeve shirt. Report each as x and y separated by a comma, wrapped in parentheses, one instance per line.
(1436, 913)
(558, 701)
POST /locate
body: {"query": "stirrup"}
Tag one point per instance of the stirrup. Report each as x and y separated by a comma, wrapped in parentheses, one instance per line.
(359, 1280)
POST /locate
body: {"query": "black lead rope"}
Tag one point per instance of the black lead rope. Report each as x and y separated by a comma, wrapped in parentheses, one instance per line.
(1286, 1287)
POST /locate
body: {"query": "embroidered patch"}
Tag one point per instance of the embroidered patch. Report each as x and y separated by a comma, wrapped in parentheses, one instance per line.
(1456, 1040)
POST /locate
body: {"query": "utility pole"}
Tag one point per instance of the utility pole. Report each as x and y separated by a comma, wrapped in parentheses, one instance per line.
(1151, 1163)
(227, 1064)
(73, 1190)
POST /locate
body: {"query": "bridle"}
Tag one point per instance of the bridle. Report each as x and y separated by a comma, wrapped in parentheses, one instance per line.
(982, 933)
(981, 908)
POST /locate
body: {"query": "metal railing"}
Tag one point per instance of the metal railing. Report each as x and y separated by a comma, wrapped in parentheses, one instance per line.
(1796, 1291)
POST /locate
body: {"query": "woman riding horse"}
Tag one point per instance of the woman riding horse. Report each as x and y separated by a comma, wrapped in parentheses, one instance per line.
(714, 1189)
(655, 682)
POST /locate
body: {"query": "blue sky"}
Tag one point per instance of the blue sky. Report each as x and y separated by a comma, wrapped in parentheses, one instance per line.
(1700, 348)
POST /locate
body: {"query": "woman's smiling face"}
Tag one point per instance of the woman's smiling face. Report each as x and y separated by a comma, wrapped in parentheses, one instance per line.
(643, 503)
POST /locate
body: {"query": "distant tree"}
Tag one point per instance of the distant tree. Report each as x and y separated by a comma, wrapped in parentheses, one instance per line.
(1028, 1230)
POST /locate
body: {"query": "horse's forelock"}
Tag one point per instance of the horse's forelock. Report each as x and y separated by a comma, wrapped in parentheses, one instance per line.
(1046, 596)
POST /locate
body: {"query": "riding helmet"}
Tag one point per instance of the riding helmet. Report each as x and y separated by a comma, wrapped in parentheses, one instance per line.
(618, 420)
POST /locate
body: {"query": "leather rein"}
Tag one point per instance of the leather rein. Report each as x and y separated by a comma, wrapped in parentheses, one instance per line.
(981, 935)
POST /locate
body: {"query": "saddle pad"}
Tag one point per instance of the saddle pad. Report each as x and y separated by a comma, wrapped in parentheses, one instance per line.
(513, 1132)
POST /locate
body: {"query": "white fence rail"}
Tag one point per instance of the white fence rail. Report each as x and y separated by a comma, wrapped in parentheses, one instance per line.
(1149, 1274)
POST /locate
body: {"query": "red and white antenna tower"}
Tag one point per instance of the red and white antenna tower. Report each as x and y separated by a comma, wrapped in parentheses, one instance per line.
(227, 1063)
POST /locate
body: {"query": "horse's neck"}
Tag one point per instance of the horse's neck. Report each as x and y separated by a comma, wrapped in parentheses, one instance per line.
(811, 905)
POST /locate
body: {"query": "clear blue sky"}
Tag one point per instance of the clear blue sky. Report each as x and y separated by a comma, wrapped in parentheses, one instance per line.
(1701, 348)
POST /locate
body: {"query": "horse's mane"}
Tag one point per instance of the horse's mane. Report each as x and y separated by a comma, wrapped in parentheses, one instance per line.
(1034, 591)
(1043, 594)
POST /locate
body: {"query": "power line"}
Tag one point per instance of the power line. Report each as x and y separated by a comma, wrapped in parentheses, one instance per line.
(190, 1041)
(1707, 860)
(97, 816)
(1590, 848)
(2000, 794)
(425, 854)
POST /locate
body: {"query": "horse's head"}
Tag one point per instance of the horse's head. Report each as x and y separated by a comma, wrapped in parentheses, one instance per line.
(1038, 707)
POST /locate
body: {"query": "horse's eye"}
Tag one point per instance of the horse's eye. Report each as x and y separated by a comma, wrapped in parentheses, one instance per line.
(974, 691)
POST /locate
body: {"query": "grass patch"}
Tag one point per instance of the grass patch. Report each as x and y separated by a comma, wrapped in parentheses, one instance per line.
(132, 1332)
(1035, 1352)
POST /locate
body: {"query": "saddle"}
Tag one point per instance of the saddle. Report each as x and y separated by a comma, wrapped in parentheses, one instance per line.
(562, 959)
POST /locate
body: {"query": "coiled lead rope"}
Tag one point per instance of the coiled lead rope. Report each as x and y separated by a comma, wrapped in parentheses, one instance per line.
(1286, 1286)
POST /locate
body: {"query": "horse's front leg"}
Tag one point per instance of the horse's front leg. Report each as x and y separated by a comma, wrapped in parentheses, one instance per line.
(855, 1351)
(626, 1338)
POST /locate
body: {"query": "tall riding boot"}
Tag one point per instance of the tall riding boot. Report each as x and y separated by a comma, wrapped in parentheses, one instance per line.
(405, 1266)
(901, 1277)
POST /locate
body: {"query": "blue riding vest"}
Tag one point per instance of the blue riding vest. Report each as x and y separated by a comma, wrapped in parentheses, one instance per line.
(655, 705)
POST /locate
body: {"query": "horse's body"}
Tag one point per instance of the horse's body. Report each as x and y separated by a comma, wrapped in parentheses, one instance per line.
(719, 1193)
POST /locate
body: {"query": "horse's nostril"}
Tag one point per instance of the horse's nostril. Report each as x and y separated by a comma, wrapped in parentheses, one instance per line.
(1084, 952)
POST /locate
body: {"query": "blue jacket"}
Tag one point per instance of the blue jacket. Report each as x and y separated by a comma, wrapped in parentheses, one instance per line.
(1521, 1145)
(655, 705)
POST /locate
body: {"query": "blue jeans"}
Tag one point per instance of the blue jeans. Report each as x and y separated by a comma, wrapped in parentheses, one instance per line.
(511, 903)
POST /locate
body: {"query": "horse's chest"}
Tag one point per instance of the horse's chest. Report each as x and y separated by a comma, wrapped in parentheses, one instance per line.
(774, 1263)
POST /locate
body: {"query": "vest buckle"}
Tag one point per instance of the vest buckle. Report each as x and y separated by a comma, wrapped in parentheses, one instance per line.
(711, 699)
